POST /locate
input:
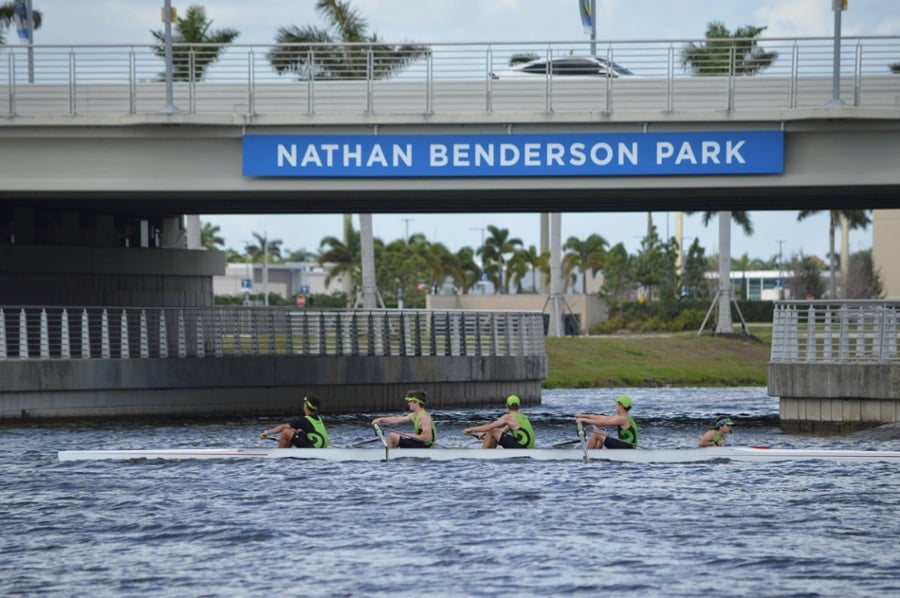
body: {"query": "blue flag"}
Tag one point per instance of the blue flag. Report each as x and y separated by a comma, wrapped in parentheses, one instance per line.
(20, 12)
(584, 7)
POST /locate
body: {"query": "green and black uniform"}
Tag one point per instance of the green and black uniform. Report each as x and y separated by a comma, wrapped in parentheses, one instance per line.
(310, 433)
(406, 442)
(628, 437)
(523, 437)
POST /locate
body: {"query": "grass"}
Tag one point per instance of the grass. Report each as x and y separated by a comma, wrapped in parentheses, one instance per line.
(671, 359)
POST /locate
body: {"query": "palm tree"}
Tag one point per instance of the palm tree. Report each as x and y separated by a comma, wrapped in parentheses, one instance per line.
(209, 236)
(725, 54)
(530, 260)
(586, 255)
(353, 53)
(265, 250)
(343, 258)
(8, 17)
(190, 64)
(724, 324)
(497, 247)
(847, 219)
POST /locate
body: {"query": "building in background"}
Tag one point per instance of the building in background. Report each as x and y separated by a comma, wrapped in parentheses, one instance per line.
(885, 249)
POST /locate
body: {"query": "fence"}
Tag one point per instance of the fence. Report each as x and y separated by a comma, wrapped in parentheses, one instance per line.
(140, 333)
(835, 332)
(437, 78)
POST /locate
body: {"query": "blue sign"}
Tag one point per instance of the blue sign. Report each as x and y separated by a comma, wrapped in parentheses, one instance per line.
(530, 155)
(246, 283)
(304, 288)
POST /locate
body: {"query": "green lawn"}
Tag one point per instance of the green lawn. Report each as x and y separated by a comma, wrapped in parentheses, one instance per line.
(679, 359)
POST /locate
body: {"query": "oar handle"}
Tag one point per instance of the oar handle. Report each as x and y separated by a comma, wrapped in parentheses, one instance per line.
(580, 427)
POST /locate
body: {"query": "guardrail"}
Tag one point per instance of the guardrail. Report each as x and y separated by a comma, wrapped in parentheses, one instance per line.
(835, 332)
(140, 333)
(448, 77)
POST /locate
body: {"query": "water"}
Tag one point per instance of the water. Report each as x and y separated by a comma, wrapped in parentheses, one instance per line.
(462, 528)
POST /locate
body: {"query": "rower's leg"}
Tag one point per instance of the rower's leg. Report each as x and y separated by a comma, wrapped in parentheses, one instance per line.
(491, 438)
(596, 440)
(284, 441)
(393, 439)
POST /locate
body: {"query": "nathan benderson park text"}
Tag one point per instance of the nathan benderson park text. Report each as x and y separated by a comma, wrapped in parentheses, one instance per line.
(741, 152)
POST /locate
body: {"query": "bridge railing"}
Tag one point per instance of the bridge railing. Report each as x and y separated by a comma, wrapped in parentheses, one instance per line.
(140, 333)
(835, 332)
(443, 78)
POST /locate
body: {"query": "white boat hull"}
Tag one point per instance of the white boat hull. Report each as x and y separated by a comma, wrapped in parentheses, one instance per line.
(684, 455)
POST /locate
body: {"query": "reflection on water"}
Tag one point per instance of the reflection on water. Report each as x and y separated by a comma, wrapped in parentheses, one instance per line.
(451, 528)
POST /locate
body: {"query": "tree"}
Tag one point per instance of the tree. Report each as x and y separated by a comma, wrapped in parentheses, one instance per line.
(854, 219)
(863, 281)
(617, 281)
(209, 236)
(344, 259)
(494, 254)
(8, 17)
(527, 261)
(587, 255)
(353, 53)
(264, 249)
(895, 68)
(694, 280)
(191, 63)
(725, 54)
(654, 264)
(724, 324)
(806, 282)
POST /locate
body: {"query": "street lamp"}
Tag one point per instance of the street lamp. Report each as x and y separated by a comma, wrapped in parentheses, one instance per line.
(406, 221)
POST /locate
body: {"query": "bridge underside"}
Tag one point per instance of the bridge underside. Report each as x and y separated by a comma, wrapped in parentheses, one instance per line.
(150, 204)
(156, 166)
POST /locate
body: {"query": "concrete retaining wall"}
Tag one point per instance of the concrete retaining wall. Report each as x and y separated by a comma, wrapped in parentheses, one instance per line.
(259, 385)
(838, 397)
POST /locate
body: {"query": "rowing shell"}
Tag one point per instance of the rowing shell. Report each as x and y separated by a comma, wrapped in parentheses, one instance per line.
(683, 455)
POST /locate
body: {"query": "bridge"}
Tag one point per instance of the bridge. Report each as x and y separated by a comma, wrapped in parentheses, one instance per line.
(101, 160)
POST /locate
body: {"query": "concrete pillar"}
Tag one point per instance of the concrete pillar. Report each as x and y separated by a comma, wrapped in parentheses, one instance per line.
(171, 235)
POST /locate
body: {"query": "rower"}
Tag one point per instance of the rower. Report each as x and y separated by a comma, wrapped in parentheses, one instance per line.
(511, 430)
(425, 431)
(627, 428)
(715, 436)
(302, 432)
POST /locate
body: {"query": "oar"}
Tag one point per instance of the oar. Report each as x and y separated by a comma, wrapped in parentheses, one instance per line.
(380, 435)
(581, 439)
(364, 442)
(274, 437)
(566, 443)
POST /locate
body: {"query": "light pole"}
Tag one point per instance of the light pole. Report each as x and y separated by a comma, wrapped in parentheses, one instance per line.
(780, 274)
(837, 6)
(481, 259)
(170, 107)
(406, 222)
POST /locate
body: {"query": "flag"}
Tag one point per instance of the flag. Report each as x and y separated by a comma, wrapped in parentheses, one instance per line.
(20, 12)
(584, 7)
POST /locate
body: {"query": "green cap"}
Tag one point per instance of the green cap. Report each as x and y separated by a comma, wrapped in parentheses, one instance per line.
(624, 402)
(513, 400)
(725, 421)
(416, 399)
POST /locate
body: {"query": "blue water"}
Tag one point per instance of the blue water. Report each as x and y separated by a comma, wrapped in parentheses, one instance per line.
(463, 528)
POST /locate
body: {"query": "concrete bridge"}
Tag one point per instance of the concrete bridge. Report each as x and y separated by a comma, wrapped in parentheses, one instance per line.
(98, 169)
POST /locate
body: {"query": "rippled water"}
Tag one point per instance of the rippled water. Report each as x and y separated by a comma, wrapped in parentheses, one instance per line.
(462, 528)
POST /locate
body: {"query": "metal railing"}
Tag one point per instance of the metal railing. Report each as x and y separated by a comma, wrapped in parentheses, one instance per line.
(140, 333)
(444, 78)
(835, 332)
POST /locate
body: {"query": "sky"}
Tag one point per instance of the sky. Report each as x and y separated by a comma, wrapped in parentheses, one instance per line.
(433, 21)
